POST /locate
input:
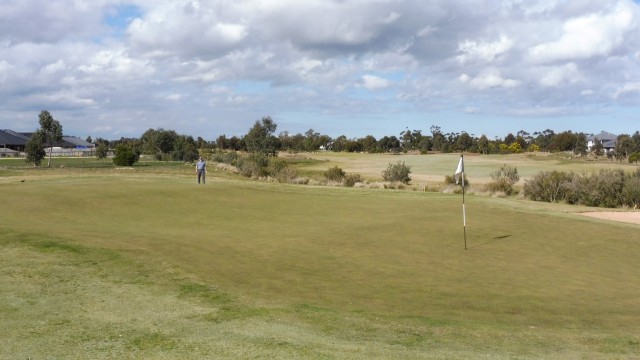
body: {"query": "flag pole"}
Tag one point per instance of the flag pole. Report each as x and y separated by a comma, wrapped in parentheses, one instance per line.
(460, 171)
(464, 212)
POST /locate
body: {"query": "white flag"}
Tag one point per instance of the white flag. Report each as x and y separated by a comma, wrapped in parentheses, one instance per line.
(460, 170)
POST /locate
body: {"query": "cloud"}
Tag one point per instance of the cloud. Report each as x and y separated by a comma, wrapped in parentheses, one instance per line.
(372, 82)
(485, 52)
(185, 29)
(556, 75)
(627, 89)
(491, 78)
(152, 63)
(588, 36)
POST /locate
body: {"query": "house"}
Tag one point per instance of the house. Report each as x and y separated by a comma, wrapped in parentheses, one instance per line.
(11, 140)
(608, 140)
(69, 146)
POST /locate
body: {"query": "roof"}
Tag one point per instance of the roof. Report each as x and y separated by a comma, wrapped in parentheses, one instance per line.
(604, 136)
(74, 141)
(10, 137)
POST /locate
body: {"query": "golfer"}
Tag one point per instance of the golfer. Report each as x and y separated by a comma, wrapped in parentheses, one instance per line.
(201, 169)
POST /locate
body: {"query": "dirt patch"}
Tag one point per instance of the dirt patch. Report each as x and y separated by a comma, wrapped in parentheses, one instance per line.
(628, 217)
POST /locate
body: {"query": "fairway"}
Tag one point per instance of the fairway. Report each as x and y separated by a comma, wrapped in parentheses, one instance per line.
(155, 266)
(432, 168)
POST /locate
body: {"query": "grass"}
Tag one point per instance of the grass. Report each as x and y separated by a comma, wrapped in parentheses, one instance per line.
(432, 168)
(147, 264)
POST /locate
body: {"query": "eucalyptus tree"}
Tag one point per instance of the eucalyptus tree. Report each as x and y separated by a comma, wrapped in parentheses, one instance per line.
(51, 131)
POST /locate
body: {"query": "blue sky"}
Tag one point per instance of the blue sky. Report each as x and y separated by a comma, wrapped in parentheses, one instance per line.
(112, 68)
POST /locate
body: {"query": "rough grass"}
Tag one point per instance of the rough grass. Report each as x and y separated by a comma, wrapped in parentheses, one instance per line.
(150, 266)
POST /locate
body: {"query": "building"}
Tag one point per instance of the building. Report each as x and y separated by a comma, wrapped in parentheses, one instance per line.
(608, 140)
(13, 143)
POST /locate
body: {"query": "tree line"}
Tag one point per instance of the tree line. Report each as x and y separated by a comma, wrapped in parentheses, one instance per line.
(261, 138)
(436, 140)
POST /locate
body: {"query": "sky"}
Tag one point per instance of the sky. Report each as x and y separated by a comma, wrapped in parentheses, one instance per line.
(116, 68)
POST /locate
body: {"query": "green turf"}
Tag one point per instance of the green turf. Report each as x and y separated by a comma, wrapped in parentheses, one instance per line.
(145, 265)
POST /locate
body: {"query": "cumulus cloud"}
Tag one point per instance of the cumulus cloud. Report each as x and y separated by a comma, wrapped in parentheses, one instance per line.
(485, 52)
(142, 63)
(490, 78)
(556, 75)
(372, 82)
(583, 37)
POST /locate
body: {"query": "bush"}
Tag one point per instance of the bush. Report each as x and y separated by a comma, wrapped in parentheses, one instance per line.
(281, 170)
(631, 190)
(335, 174)
(397, 172)
(125, 156)
(351, 179)
(634, 157)
(451, 180)
(608, 188)
(230, 158)
(550, 186)
(504, 179)
(254, 165)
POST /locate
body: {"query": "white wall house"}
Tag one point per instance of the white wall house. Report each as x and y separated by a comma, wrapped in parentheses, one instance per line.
(608, 140)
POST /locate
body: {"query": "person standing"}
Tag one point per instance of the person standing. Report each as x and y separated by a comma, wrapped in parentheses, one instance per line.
(201, 169)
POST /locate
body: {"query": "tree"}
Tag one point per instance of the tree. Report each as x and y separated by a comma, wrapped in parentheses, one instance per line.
(158, 142)
(369, 143)
(597, 147)
(464, 142)
(624, 146)
(102, 150)
(125, 156)
(51, 130)
(581, 145)
(260, 138)
(483, 144)
(35, 148)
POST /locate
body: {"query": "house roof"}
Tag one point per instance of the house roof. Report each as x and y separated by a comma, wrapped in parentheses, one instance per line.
(12, 138)
(74, 141)
(604, 136)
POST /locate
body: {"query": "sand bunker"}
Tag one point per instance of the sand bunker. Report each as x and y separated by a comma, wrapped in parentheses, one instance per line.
(629, 217)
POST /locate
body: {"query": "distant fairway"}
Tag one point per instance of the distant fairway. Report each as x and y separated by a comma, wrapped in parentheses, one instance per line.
(143, 265)
(432, 168)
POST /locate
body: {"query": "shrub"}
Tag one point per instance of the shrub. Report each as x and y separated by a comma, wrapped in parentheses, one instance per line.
(254, 165)
(634, 157)
(397, 172)
(125, 156)
(351, 179)
(281, 170)
(102, 151)
(451, 180)
(504, 179)
(335, 174)
(547, 186)
(631, 190)
(607, 188)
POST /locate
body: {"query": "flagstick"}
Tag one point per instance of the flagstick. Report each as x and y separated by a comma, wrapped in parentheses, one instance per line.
(464, 212)
(464, 215)
(460, 170)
